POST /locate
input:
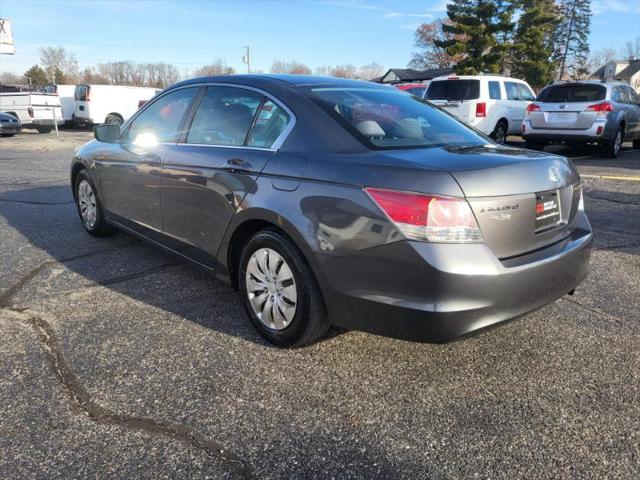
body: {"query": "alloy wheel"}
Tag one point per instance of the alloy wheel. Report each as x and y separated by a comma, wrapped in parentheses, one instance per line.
(87, 204)
(617, 143)
(271, 288)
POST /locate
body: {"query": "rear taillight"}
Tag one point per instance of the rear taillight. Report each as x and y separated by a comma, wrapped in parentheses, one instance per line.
(30, 111)
(600, 107)
(428, 217)
(532, 107)
(481, 109)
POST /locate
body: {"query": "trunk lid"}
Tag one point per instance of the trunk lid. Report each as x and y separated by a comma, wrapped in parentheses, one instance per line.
(506, 188)
(563, 116)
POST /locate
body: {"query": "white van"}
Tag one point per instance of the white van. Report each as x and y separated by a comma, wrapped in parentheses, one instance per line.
(34, 109)
(493, 104)
(66, 94)
(95, 104)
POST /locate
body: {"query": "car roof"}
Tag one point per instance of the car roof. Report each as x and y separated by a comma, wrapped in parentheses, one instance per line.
(476, 77)
(282, 79)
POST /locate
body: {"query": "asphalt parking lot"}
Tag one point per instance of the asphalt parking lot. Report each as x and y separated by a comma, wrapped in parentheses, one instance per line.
(117, 361)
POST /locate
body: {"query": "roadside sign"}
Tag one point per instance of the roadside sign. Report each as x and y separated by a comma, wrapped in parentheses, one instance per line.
(7, 46)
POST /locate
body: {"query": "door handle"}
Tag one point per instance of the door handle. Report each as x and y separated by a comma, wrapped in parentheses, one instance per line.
(238, 165)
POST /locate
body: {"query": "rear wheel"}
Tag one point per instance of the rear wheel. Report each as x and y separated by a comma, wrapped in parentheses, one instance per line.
(534, 145)
(44, 129)
(280, 293)
(611, 148)
(89, 207)
(499, 133)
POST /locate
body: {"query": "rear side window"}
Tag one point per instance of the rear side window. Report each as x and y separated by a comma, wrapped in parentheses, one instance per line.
(494, 91)
(633, 96)
(454, 90)
(572, 93)
(525, 93)
(417, 91)
(269, 124)
(224, 116)
(160, 121)
(513, 90)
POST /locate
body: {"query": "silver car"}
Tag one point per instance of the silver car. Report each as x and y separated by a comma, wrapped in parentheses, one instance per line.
(584, 112)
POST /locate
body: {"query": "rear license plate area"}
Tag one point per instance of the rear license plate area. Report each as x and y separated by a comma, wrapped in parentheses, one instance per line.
(562, 117)
(547, 210)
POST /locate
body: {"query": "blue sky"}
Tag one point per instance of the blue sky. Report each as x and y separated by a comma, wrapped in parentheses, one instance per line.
(190, 33)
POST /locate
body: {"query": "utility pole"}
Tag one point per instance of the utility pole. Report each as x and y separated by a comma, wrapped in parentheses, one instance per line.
(247, 59)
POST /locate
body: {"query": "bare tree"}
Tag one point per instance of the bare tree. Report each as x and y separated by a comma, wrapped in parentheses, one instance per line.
(431, 55)
(8, 78)
(372, 70)
(218, 67)
(157, 75)
(344, 71)
(58, 59)
(631, 49)
(294, 67)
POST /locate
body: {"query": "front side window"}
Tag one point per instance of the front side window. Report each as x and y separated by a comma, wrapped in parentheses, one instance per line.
(494, 90)
(81, 93)
(454, 90)
(385, 118)
(160, 121)
(224, 117)
(513, 92)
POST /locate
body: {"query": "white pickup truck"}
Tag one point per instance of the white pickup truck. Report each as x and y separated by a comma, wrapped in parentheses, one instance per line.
(34, 109)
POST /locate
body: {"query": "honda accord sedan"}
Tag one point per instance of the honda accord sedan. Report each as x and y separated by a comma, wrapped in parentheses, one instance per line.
(339, 202)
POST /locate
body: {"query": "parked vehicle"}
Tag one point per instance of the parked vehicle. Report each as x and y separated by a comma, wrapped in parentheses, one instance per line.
(66, 94)
(34, 109)
(584, 112)
(417, 89)
(9, 125)
(95, 104)
(322, 206)
(494, 105)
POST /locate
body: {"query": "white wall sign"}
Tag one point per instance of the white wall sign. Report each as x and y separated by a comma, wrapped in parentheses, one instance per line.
(6, 37)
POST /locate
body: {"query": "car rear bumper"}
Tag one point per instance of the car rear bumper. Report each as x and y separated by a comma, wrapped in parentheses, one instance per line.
(437, 292)
(567, 135)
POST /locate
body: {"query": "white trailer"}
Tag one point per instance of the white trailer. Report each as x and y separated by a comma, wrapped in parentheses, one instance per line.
(34, 109)
(95, 104)
(66, 94)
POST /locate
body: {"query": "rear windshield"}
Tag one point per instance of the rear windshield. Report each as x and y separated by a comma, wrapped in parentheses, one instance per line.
(454, 90)
(388, 118)
(572, 93)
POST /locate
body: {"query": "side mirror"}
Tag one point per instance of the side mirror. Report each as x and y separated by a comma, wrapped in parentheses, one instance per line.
(107, 133)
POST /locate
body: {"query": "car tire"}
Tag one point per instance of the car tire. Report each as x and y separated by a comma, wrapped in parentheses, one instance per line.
(7, 134)
(500, 132)
(44, 129)
(611, 148)
(539, 146)
(113, 120)
(89, 206)
(288, 309)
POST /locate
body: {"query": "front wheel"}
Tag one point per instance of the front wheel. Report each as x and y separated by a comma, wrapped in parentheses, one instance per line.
(280, 293)
(89, 207)
(612, 147)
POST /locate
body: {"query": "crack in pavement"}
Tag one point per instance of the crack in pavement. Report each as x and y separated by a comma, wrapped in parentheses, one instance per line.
(593, 309)
(8, 295)
(99, 414)
(612, 200)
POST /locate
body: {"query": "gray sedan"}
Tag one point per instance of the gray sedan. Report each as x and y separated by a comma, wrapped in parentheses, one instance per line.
(584, 112)
(328, 201)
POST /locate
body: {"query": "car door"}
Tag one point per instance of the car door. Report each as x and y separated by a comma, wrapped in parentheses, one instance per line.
(515, 106)
(129, 173)
(633, 115)
(233, 133)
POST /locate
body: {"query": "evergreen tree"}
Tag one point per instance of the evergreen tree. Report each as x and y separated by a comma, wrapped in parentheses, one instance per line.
(572, 36)
(37, 76)
(475, 26)
(533, 42)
